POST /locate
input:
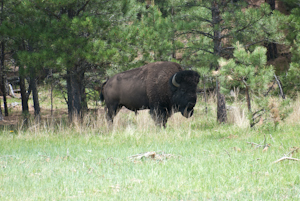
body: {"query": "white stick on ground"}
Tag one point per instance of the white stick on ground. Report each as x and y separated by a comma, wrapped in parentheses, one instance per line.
(286, 158)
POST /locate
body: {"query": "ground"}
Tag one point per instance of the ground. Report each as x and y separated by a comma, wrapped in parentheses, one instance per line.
(14, 117)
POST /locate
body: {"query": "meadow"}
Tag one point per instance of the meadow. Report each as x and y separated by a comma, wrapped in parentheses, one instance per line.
(192, 159)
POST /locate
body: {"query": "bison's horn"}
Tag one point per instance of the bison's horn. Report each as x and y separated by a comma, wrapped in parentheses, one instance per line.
(174, 81)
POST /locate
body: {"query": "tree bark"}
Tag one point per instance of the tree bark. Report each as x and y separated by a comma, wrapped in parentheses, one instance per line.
(271, 3)
(248, 99)
(24, 97)
(2, 81)
(221, 105)
(1, 115)
(35, 98)
(272, 52)
(76, 93)
(33, 87)
(216, 20)
(205, 99)
(3, 78)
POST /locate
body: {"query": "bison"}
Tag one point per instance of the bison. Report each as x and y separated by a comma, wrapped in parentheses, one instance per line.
(162, 87)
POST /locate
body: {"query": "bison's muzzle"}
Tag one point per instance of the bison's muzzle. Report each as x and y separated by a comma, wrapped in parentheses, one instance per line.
(188, 111)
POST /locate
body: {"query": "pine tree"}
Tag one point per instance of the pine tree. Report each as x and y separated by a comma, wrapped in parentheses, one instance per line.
(248, 71)
(293, 26)
(210, 27)
(5, 10)
(271, 47)
(73, 37)
(27, 25)
(155, 35)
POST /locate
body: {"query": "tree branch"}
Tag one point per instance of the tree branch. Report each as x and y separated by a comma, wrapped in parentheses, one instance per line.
(48, 11)
(244, 27)
(197, 49)
(198, 32)
(270, 88)
(193, 4)
(83, 6)
(198, 17)
(279, 85)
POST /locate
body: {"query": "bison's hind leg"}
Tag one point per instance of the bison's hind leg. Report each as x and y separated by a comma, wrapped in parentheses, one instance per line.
(112, 111)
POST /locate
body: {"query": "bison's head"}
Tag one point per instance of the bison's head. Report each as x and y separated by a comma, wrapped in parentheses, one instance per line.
(183, 86)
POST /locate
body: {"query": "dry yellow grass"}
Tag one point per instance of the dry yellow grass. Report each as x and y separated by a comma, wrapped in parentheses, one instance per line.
(238, 116)
(95, 122)
(294, 117)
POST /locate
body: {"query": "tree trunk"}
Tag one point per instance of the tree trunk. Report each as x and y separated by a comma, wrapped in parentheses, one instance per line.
(75, 86)
(216, 20)
(271, 3)
(76, 93)
(83, 103)
(248, 99)
(24, 98)
(24, 95)
(71, 108)
(271, 47)
(205, 99)
(33, 87)
(35, 97)
(221, 105)
(173, 37)
(1, 116)
(271, 51)
(3, 79)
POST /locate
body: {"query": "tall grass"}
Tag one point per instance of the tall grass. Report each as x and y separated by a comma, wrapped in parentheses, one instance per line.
(294, 117)
(95, 122)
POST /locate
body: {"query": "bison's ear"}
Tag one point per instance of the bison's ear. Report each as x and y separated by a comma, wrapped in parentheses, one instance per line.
(176, 84)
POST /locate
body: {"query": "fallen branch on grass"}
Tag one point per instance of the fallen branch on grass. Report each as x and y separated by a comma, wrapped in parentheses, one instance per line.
(150, 154)
(286, 158)
(228, 154)
(265, 146)
(253, 143)
(160, 155)
(295, 149)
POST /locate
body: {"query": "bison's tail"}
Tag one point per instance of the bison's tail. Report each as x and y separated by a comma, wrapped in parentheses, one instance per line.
(101, 92)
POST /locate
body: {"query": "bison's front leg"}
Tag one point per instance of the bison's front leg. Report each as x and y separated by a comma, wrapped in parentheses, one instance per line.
(160, 116)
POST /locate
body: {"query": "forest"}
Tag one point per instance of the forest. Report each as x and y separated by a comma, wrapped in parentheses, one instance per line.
(74, 46)
(242, 142)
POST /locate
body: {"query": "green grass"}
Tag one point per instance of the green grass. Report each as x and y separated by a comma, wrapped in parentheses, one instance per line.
(56, 161)
(89, 162)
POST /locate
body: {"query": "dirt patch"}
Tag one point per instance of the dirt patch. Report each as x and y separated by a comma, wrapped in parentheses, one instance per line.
(15, 116)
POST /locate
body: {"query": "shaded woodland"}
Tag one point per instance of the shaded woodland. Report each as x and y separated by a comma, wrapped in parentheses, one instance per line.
(75, 45)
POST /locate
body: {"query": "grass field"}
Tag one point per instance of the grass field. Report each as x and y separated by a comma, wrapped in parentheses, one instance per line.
(195, 159)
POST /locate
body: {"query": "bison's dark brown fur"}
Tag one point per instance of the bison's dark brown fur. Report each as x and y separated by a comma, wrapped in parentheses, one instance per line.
(160, 87)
